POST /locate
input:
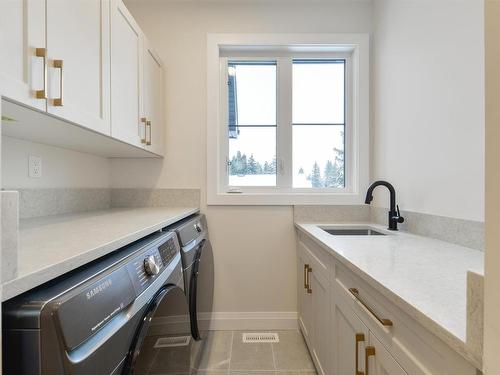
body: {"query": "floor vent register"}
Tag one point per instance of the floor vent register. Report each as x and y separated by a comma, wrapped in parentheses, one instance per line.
(260, 337)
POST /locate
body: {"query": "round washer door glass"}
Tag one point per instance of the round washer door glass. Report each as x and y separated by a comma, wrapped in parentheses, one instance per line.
(163, 342)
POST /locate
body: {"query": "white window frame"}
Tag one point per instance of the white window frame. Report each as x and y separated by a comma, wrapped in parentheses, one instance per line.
(352, 47)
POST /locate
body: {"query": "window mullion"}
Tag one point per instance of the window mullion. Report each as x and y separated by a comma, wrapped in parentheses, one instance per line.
(284, 130)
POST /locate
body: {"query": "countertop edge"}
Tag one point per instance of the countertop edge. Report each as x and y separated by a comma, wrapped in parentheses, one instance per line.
(433, 327)
(24, 283)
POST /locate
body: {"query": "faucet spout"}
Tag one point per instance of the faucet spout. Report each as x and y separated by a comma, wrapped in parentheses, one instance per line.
(394, 214)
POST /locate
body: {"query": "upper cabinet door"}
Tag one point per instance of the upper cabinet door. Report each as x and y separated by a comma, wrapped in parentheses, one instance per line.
(78, 57)
(23, 51)
(153, 100)
(128, 122)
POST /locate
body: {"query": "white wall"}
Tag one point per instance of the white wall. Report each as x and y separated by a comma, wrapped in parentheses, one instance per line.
(254, 246)
(492, 263)
(428, 105)
(61, 168)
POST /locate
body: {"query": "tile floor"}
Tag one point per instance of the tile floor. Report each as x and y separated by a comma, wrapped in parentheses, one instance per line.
(226, 354)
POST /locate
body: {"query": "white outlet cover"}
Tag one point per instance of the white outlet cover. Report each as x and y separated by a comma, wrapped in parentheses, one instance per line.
(35, 166)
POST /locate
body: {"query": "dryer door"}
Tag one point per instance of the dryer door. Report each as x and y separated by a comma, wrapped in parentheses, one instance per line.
(201, 290)
(163, 343)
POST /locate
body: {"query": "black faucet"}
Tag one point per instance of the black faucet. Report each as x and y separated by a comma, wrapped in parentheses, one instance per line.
(394, 214)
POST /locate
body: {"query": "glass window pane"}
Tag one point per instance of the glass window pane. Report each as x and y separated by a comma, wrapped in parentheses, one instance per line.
(318, 156)
(252, 156)
(252, 93)
(318, 91)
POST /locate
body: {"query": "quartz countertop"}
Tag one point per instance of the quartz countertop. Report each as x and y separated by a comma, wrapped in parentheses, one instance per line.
(426, 278)
(50, 246)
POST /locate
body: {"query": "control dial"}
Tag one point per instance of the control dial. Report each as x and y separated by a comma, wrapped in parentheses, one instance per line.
(150, 266)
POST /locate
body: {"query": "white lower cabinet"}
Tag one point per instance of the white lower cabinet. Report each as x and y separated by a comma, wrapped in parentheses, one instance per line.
(379, 360)
(320, 292)
(352, 329)
(314, 299)
(349, 340)
(357, 350)
(304, 298)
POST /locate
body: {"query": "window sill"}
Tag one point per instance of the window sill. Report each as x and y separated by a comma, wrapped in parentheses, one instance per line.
(283, 199)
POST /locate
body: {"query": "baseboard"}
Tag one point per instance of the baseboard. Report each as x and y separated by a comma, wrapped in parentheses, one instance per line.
(237, 321)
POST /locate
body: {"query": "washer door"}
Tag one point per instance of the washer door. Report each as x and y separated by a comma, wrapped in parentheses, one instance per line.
(163, 343)
(201, 290)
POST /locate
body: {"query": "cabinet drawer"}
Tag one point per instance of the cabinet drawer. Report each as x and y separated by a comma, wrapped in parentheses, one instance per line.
(416, 349)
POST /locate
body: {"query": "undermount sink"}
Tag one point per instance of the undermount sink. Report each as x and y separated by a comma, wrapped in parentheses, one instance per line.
(353, 232)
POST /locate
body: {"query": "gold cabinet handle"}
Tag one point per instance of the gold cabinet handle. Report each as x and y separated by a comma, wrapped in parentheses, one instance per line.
(309, 269)
(360, 337)
(42, 52)
(305, 275)
(369, 351)
(144, 121)
(148, 126)
(384, 322)
(58, 64)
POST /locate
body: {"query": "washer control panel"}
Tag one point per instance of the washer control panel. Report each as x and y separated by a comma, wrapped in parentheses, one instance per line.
(151, 262)
(168, 250)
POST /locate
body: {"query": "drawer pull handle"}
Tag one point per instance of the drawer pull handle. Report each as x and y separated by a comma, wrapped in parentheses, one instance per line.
(309, 269)
(143, 120)
(369, 351)
(384, 322)
(360, 337)
(306, 266)
(42, 52)
(58, 64)
(148, 126)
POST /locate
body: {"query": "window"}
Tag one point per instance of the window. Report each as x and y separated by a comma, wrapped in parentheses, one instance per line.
(318, 123)
(252, 123)
(289, 123)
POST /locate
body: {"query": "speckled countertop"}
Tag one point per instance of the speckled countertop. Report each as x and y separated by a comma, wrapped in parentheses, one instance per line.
(424, 277)
(50, 246)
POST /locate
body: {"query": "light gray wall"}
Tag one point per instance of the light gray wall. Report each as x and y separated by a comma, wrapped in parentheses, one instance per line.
(61, 168)
(428, 105)
(248, 241)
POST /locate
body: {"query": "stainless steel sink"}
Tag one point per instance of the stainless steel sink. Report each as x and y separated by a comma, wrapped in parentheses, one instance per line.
(353, 232)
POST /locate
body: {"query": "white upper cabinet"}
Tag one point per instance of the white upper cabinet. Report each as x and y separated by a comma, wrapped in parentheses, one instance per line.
(153, 105)
(128, 123)
(78, 62)
(87, 63)
(23, 52)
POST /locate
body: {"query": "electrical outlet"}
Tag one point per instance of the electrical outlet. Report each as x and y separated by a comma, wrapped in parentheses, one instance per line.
(35, 166)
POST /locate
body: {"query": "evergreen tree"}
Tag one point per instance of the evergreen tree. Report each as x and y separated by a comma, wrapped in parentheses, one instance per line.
(316, 176)
(339, 168)
(260, 170)
(330, 174)
(239, 164)
(244, 164)
(267, 168)
(252, 167)
(301, 170)
(233, 167)
(273, 166)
